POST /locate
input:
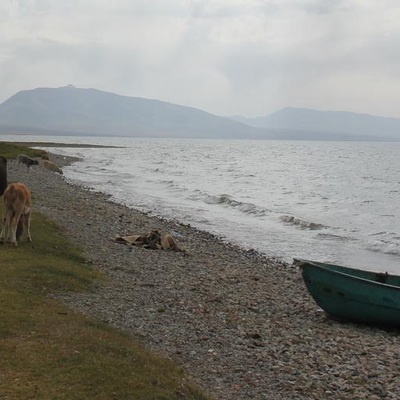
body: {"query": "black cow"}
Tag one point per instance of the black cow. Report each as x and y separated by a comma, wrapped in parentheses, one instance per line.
(3, 174)
(23, 159)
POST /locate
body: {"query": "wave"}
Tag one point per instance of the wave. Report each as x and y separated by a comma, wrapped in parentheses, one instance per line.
(221, 199)
(384, 242)
(330, 236)
(385, 247)
(227, 200)
(289, 219)
(385, 234)
(169, 183)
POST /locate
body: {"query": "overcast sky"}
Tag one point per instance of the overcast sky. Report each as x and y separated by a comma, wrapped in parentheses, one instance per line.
(227, 57)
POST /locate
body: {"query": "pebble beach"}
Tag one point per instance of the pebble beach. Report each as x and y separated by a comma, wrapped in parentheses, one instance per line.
(241, 325)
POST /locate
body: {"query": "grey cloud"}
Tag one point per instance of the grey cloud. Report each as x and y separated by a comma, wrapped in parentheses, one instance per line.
(225, 56)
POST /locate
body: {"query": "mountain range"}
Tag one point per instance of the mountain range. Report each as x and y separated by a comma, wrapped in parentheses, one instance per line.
(75, 111)
(340, 122)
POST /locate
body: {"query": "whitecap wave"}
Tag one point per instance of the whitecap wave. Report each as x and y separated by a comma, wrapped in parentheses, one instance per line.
(228, 201)
(384, 242)
(385, 247)
(289, 219)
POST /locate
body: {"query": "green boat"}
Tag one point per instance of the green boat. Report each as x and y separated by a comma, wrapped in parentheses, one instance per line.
(352, 294)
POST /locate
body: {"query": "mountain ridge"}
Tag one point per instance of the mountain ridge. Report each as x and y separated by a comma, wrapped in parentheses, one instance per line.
(93, 112)
(343, 122)
(69, 110)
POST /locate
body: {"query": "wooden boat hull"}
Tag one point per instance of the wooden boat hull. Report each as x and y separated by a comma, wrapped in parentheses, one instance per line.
(353, 295)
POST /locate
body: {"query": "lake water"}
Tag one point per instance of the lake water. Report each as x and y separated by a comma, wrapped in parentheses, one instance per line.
(328, 201)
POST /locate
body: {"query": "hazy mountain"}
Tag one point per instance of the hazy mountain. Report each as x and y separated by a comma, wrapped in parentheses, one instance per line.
(360, 126)
(73, 111)
(69, 110)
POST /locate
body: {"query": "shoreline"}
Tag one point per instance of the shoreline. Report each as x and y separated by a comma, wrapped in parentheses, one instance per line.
(242, 325)
(72, 145)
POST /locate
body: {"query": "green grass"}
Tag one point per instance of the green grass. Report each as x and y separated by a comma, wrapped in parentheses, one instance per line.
(12, 150)
(47, 351)
(50, 352)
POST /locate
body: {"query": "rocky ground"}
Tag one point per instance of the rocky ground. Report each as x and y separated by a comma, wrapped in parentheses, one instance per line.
(243, 326)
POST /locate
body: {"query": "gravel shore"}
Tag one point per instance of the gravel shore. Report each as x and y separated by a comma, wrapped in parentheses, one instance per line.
(243, 326)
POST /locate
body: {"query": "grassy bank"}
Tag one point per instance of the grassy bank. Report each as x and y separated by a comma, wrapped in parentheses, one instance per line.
(48, 351)
(11, 150)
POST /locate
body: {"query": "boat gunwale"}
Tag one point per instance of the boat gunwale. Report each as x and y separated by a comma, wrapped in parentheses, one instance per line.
(301, 263)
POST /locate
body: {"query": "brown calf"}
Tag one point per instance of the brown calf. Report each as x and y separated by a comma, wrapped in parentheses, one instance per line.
(50, 166)
(16, 209)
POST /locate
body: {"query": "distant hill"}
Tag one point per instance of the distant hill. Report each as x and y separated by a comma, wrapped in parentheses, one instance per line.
(74, 111)
(71, 110)
(359, 126)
